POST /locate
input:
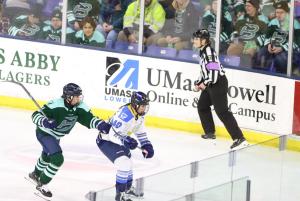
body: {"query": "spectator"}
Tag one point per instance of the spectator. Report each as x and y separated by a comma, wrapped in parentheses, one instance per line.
(250, 32)
(239, 11)
(4, 23)
(26, 25)
(79, 9)
(274, 53)
(111, 17)
(153, 22)
(89, 35)
(206, 4)
(296, 50)
(52, 32)
(178, 30)
(1, 17)
(168, 7)
(209, 21)
(15, 8)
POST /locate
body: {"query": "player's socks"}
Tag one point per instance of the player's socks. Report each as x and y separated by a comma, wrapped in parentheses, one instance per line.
(56, 160)
(41, 164)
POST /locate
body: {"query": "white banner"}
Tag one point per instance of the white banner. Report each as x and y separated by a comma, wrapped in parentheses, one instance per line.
(258, 101)
(261, 102)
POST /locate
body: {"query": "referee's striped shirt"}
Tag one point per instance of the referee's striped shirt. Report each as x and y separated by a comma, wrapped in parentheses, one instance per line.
(208, 56)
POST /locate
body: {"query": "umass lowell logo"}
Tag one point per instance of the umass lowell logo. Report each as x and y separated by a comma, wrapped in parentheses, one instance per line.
(121, 79)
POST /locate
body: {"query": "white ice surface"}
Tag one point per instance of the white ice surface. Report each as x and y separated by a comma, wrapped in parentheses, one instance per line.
(86, 168)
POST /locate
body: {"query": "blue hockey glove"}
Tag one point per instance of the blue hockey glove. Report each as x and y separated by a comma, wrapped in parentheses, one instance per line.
(103, 127)
(129, 142)
(149, 151)
(50, 124)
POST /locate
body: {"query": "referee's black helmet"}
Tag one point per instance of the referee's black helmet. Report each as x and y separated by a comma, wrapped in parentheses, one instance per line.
(201, 33)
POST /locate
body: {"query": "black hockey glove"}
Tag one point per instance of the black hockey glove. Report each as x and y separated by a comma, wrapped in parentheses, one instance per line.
(149, 151)
(129, 142)
(103, 127)
(50, 124)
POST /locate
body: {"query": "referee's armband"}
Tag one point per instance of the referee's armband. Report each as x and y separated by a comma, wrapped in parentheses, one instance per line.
(213, 66)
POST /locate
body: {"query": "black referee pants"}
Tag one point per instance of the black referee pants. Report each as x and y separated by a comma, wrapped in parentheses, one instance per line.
(216, 95)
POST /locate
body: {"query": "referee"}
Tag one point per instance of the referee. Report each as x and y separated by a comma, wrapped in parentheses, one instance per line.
(214, 86)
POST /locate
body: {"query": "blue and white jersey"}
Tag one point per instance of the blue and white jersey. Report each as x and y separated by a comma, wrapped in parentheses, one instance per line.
(125, 122)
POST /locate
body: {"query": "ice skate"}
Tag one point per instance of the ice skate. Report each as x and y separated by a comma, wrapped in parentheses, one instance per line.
(43, 192)
(209, 136)
(33, 178)
(132, 193)
(122, 196)
(239, 143)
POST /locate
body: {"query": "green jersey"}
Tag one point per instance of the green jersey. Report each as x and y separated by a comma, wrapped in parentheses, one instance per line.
(64, 117)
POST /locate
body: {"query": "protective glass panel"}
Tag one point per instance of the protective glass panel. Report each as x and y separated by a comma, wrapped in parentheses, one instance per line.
(296, 41)
(255, 35)
(290, 171)
(231, 191)
(168, 34)
(213, 171)
(263, 165)
(127, 34)
(83, 24)
(163, 186)
(32, 20)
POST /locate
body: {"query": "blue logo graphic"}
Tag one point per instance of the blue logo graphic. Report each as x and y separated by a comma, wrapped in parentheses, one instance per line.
(122, 75)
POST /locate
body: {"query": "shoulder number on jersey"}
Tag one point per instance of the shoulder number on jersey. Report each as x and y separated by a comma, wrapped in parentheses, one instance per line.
(116, 123)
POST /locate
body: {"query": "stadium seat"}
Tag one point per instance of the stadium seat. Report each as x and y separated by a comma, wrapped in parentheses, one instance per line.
(109, 44)
(122, 46)
(230, 60)
(127, 47)
(153, 50)
(189, 55)
(132, 48)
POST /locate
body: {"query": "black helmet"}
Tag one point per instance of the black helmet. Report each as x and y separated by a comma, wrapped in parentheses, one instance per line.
(201, 33)
(70, 90)
(137, 99)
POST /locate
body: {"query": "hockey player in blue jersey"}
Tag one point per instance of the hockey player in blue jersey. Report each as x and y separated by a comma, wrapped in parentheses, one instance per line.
(117, 144)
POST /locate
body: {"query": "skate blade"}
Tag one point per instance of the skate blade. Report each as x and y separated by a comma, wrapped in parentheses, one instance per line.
(30, 180)
(210, 141)
(38, 194)
(138, 197)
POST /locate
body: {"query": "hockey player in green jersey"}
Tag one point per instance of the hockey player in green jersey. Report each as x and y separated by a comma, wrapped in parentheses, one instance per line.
(61, 116)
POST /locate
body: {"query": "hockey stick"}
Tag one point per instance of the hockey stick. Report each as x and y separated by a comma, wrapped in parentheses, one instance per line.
(28, 93)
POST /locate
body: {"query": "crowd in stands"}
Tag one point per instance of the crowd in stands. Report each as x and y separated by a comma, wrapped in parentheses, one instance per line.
(255, 31)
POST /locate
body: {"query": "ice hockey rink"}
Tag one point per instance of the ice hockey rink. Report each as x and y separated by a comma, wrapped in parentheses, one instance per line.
(86, 168)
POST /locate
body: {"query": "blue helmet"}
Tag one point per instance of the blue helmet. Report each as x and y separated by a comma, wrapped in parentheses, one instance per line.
(137, 99)
(71, 90)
